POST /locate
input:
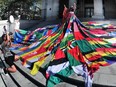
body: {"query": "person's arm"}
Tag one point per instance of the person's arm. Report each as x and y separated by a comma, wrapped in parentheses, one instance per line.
(75, 6)
(8, 39)
(2, 47)
(65, 14)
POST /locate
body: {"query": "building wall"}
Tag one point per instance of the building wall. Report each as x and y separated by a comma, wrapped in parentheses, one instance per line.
(71, 2)
(110, 9)
(80, 8)
(52, 8)
(83, 8)
(43, 13)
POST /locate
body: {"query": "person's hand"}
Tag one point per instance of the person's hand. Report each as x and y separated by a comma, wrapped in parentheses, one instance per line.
(1, 52)
(5, 29)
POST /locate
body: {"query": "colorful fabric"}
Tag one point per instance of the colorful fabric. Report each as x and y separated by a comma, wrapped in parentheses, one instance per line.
(98, 25)
(74, 48)
(100, 29)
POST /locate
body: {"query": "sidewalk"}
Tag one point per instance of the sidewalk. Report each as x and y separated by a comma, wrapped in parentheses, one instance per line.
(104, 77)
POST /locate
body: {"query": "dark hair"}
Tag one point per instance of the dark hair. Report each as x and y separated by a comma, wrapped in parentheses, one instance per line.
(71, 8)
(3, 37)
(10, 33)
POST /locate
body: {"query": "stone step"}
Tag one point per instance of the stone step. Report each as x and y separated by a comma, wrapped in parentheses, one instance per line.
(40, 78)
(2, 82)
(22, 80)
(72, 81)
(6, 80)
(18, 79)
(37, 79)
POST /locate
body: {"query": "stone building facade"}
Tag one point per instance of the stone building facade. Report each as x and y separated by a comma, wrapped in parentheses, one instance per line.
(98, 9)
(101, 9)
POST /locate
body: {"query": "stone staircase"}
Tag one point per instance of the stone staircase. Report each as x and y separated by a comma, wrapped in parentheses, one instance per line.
(23, 78)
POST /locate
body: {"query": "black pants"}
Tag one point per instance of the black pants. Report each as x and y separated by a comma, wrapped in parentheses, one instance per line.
(9, 60)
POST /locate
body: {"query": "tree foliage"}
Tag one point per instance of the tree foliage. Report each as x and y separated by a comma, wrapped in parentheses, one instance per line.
(8, 7)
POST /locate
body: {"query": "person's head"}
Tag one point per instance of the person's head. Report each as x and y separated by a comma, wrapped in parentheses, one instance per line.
(4, 37)
(10, 33)
(71, 9)
(11, 36)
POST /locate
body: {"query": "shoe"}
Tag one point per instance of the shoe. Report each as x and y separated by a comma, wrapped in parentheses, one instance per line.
(1, 71)
(4, 72)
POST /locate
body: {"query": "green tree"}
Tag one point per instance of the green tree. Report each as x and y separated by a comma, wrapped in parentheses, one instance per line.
(17, 6)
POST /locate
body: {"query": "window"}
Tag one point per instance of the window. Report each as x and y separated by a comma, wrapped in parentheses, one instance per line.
(89, 12)
(78, 2)
(89, 1)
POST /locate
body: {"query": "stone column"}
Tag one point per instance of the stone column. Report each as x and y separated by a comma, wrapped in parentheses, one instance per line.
(71, 2)
(98, 9)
